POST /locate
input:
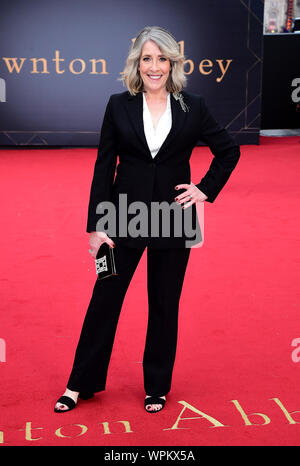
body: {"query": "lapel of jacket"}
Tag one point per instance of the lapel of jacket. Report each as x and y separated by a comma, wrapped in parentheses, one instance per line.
(134, 107)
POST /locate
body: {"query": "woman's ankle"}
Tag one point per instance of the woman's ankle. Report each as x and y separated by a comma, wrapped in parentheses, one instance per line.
(71, 393)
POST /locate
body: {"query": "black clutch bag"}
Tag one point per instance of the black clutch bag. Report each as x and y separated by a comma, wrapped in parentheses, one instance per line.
(105, 262)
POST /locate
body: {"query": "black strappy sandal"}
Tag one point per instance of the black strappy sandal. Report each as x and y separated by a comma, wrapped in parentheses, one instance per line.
(70, 403)
(65, 400)
(154, 400)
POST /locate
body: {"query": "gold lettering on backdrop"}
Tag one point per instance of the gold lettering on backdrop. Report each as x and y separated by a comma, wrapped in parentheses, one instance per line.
(1, 437)
(34, 65)
(82, 427)
(188, 62)
(71, 66)
(186, 405)
(57, 59)
(246, 418)
(205, 64)
(285, 411)
(98, 66)
(28, 435)
(94, 62)
(126, 424)
(223, 70)
(14, 66)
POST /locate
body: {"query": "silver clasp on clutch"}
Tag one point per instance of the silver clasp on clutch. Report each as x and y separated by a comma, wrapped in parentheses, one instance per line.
(101, 264)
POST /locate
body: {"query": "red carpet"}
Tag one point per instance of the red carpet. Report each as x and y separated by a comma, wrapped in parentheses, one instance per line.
(238, 318)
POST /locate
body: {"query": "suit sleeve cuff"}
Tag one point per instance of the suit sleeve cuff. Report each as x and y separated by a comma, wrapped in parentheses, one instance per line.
(205, 191)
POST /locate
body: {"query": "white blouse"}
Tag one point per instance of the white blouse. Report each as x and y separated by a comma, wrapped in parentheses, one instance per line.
(156, 136)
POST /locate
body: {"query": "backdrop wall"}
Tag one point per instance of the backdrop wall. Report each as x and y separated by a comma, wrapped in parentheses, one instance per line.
(60, 62)
(281, 82)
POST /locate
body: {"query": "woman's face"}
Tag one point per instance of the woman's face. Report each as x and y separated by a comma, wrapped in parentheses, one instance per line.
(154, 67)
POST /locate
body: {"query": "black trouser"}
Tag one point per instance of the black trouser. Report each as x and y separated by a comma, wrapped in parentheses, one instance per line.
(165, 275)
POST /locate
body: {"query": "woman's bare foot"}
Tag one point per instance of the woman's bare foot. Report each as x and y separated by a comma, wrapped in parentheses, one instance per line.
(154, 407)
(70, 394)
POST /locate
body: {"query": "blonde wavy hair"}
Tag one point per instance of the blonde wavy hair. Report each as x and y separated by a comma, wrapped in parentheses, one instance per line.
(167, 44)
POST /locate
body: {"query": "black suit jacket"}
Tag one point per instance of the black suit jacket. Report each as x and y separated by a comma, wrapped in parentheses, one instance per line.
(143, 178)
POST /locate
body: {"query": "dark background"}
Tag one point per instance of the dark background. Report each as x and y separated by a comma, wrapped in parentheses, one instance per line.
(281, 66)
(67, 109)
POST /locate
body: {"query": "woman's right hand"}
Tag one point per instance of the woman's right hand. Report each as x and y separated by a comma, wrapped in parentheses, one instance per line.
(96, 239)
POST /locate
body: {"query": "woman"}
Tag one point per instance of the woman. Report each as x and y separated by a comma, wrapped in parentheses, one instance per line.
(153, 128)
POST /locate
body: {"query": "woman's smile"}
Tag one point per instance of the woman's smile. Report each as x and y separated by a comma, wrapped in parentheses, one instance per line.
(155, 77)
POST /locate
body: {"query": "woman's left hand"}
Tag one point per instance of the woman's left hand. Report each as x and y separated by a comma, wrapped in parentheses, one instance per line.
(190, 196)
